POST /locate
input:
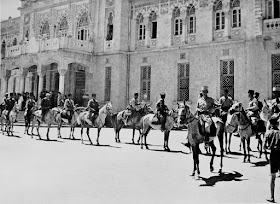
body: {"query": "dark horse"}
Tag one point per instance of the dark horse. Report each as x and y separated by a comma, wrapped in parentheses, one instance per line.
(134, 121)
(196, 137)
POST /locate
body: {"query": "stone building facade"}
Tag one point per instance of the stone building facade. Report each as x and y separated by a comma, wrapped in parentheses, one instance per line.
(117, 47)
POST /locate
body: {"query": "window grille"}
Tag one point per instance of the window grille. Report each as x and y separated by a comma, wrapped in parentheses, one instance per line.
(146, 82)
(110, 27)
(275, 70)
(108, 83)
(183, 81)
(227, 77)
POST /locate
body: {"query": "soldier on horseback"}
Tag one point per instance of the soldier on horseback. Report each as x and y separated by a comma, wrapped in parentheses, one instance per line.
(134, 105)
(205, 107)
(226, 103)
(93, 108)
(276, 100)
(10, 103)
(253, 109)
(45, 105)
(69, 108)
(30, 105)
(161, 111)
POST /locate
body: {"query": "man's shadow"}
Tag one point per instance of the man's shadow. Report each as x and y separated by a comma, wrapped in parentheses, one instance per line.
(211, 181)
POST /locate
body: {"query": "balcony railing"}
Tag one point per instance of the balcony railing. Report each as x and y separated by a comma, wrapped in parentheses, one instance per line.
(271, 25)
(50, 44)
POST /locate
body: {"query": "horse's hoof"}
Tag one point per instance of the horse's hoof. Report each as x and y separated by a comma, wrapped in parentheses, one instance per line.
(147, 147)
(220, 171)
(193, 174)
(211, 168)
(141, 147)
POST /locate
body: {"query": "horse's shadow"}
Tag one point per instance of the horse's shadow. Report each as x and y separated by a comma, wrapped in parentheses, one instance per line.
(211, 181)
(218, 155)
(260, 163)
(168, 151)
(50, 140)
(16, 136)
(95, 145)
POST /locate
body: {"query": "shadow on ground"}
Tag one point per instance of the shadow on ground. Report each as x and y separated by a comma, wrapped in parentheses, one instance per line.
(211, 181)
(260, 163)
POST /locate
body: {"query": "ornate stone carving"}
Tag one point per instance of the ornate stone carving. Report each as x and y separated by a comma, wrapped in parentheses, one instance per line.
(203, 3)
(110, 3)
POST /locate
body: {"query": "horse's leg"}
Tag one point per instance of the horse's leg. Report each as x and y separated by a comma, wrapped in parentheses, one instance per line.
(226, 142)
(82, 129)
(166, 138)
(213, 147)
(194, 159)
(89, 136)
(98, 134)
(49, 125)
(229, 142)
(133, 133)
(220, 137)
(116, 135)
(138, 141)
(58, 130)
(260, 145)
(119, 130)
(244, 148)
(148, 130)
(248, 147)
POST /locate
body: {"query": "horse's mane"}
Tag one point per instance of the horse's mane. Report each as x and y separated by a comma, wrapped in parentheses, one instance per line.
(243, 117)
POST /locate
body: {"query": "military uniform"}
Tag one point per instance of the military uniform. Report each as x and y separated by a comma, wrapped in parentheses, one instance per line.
(10, 103)
(45, 106)
(93, 108)
(69, 108)
(30, 104)
(226, 103)
(161, 111)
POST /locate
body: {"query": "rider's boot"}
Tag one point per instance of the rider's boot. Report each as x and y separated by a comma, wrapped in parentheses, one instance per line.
(207, 136)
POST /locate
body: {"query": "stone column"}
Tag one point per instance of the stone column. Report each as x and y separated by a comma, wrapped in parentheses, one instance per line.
(227, 24)
(147, 24)
(62, 73)
(184, 29)
(22, 80)
(28, 82)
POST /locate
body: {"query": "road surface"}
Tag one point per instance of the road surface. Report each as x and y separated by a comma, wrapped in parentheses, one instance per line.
(65, 171)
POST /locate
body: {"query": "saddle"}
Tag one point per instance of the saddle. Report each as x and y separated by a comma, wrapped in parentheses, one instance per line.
(157, 120)
(202, 130)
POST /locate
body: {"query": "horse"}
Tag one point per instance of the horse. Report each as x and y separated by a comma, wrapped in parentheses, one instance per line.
(134, 121)
(147, 125)
(51, 117)
(196, 137)
(73, 122)
(98, 122)
(28, 117)
(245, 128)
(10, 120)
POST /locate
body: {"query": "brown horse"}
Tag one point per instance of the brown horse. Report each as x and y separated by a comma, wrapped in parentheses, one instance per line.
(246, 129)
(196, 137)
(51, 117)
(147, 125)
(73, 122)
(134, 121)
(28, 117)
(99, 122)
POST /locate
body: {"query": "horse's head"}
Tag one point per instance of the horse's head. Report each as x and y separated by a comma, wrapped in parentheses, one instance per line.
(109, 107)
(147, 109)
(183, 113)
(237, 107)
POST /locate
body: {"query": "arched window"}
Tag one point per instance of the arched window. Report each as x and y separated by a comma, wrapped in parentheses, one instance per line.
(236, 13)
(110, 28)
(14, 42)
(83, 30)
(63, 26)
(219, 15)
(153, 21)
(191, 19)
(141, 27)
(45, 29)
(178, 23)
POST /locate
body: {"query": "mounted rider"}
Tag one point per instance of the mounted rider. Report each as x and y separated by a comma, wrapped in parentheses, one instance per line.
(3, 104)
(253, 109)
(10, 103)
(133, 106)
(93, 108)
(226, 103)
(45, 105)
(161, 111)
(30, 105)
(205, 107)
(276, 100)
(68, 108)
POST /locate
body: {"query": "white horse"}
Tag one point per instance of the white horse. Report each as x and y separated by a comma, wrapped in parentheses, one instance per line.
(10, 120)
(98, 122)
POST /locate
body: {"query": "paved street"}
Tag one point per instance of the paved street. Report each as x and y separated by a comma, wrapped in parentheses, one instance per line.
(65, 171)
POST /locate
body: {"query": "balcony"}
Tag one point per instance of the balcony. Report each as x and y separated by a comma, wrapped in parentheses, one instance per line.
(14, 51)
(75, 44)
(50, 44)
(30, 47)
(271, 26)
